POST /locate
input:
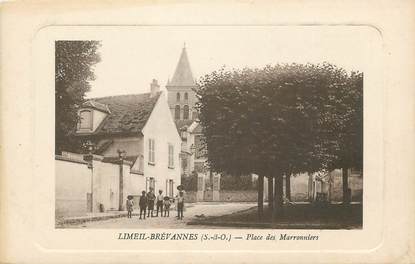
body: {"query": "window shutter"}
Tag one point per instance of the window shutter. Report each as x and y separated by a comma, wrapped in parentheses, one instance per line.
(154, 151)
(151, 152)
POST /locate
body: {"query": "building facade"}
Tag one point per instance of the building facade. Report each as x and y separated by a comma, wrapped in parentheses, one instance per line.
(182, 100)
(140, 127)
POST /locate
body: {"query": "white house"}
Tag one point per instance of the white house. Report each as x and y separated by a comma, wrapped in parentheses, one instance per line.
(142, 126)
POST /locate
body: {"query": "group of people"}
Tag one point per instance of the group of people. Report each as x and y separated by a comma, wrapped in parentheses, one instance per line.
(163, 204)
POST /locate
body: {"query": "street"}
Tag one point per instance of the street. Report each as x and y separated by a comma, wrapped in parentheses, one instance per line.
(192, 211)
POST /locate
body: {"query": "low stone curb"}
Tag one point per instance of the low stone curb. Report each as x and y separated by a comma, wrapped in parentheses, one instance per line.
(229, 224)
(274, 225)
(82, 220)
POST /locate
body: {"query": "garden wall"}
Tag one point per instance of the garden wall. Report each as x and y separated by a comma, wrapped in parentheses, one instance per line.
(75, 179)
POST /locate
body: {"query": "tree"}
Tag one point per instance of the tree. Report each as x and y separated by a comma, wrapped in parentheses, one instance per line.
(270, 193)
(273, 121)
(339, 121)
(288, 186)
(348, 152)
(74, 61)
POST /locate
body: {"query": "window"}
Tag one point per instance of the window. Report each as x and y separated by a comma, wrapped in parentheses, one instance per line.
(186, 96)
(86, 119)
(177, 112)
(194, 115)
(185, 112)
(178, 97)
(150, 183)
(171, 156)
(151, 154)
(171, 185)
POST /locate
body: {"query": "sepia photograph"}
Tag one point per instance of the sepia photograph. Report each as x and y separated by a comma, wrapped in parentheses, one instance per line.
(207, 132)
(242, 128)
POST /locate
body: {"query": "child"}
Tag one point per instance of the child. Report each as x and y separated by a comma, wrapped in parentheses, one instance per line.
(159, 203)
(166, 203)
(150, 202)
(143, 204)
(130, 204)
(180, 205)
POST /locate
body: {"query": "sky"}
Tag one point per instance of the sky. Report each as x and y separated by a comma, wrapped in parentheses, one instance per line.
(132, 56)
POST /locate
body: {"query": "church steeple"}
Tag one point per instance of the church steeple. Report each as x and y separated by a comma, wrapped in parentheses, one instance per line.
(180, 94)
(183, 74)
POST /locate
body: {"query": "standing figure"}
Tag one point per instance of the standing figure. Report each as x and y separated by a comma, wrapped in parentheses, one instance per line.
(166, 203)
(150, 202)
(143, 204)
(129, 206)
(180, 205)
(159, 203)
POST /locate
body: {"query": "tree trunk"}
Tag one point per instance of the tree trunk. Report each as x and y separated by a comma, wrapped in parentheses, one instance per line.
(288, 186)
(345, 178)
(310, 187)
(260, 196)
(270, 194)
(278, 194)
(121, 188)
(330, 187)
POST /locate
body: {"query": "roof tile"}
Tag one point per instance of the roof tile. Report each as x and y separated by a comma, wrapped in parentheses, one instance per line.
(128, 113)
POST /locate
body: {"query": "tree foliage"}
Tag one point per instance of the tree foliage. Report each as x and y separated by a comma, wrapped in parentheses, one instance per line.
(349, 133)
(74, 61)
(284, 118)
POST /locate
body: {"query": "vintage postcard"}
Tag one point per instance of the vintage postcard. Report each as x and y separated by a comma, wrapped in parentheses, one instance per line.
(132, 141)
(160, 135)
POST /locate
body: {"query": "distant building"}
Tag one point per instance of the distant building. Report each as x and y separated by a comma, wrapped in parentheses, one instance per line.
(194, 154)
(140, 125)
(182, 100)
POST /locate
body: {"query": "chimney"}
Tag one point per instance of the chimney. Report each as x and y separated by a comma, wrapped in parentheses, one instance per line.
(154, 87)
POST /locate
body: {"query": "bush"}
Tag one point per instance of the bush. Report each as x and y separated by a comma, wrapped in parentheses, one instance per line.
(189, 182)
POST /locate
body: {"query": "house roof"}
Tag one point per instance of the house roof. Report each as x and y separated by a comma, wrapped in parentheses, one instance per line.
(195, 127)
(182, 123)
(183, 74)
(127, 160)
(103, 145)
(128, 113)
(97, 105)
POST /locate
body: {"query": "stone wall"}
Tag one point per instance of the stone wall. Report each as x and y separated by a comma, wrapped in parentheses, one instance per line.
(355, 184)
(299, 187)
(238, 196)
(224, 196)
(299, 190)
(72, 183)
(74, 180)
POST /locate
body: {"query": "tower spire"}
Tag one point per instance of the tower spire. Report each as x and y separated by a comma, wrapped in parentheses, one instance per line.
(183, 74)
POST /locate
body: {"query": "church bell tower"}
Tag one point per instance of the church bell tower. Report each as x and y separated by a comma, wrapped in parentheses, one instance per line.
(181, 97)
